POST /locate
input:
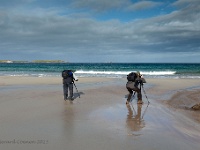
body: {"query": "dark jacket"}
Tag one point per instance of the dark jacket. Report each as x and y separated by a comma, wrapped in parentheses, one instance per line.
(70, 79)
(132, 85)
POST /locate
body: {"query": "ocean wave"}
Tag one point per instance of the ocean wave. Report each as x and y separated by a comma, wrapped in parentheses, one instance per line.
(105, 74)
(107, 70)
(91, 72)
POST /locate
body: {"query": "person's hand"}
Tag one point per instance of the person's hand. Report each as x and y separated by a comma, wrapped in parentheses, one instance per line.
(140, 81)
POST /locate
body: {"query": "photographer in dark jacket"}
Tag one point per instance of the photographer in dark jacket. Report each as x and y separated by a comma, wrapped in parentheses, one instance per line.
(68, 80)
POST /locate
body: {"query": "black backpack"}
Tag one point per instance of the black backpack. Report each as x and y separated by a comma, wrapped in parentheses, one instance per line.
(67, 73)
(131, 76)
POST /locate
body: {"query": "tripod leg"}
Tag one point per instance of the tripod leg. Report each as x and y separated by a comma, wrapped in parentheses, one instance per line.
(77, 90)
(132, 97)
(145, 94)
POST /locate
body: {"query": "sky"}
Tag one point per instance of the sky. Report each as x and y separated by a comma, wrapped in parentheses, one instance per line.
(135, 31)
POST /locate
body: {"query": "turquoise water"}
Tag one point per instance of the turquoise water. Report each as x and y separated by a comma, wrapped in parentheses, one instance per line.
(116, 70)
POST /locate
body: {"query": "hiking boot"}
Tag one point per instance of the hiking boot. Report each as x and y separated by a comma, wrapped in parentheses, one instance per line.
(127, 102)
(71, 98)
(65, 97)
(140, 102)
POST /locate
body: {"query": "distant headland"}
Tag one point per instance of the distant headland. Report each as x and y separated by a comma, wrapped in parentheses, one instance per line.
(34, 61)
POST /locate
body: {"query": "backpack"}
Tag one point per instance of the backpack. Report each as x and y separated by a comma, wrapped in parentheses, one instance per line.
(67, 73)
(131, 76)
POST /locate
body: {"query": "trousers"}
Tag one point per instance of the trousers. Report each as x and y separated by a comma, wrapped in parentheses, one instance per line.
(132, 86)
(68, 87)
(137, 90)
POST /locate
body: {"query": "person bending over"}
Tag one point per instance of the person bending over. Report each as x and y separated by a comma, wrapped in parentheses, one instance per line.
(134, 83)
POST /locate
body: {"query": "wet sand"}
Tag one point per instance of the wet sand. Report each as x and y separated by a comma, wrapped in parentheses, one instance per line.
(33, 115)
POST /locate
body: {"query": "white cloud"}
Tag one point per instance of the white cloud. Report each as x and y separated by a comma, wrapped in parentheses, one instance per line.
(185, 2)
(99, 5)
(143, 5)
(43, 32)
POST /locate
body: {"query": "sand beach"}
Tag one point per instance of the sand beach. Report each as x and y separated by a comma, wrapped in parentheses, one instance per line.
(33, 115)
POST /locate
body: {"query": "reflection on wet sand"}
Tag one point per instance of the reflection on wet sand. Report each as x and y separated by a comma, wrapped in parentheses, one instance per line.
(134, 119)
(69, 118)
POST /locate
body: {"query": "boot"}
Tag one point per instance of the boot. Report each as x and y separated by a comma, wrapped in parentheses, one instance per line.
(128, 99)
(140, 102)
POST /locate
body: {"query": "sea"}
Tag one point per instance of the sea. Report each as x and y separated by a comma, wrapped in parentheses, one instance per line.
(107, 70)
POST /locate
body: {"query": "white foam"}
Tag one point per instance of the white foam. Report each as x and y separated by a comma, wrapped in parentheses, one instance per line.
(91, 72)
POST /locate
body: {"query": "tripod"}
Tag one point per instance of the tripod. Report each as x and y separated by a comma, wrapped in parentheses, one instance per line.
(76, 90)
(144, 92)
(141, 87)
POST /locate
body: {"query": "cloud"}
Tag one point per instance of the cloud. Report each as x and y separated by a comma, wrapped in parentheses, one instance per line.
(14, 2)
(143, 5)
(105, 5)
(55, 33)
(99, 5)
(185, 2)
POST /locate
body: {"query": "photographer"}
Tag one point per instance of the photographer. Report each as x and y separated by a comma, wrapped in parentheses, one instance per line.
(135, 81)
(68, 80)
